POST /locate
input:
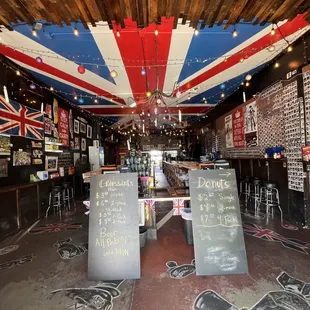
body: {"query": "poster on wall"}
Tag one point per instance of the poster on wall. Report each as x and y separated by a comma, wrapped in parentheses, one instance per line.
(89, 131)
(21, 158)
(83, 144)
(48, 110)
(229, 131)
(3, 167)
(18, 120)
(47, 126)
(238, 128)
(5, 145)
(250, 124)
(71, 124)
(63, 126)
(82, 128)
(76, 143)
(55, 110)
(51, 163)
(76, 126)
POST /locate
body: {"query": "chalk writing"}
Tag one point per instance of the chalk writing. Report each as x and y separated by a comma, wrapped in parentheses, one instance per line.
(217, 227)
(8, 249)
(114, 227)
(68, 250)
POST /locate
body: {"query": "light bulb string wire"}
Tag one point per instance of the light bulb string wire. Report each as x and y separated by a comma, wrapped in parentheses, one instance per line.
(144, 62)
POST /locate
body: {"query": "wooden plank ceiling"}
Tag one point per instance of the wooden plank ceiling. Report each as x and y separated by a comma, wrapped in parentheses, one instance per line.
(145, 12)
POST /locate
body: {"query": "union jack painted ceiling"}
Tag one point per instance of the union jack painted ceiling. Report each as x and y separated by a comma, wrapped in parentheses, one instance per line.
(198, 70)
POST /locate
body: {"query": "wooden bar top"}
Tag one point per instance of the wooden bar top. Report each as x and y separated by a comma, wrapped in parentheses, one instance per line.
(189, 165)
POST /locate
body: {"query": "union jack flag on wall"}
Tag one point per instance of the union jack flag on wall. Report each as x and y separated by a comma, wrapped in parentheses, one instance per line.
(178, 204)
(18, 120)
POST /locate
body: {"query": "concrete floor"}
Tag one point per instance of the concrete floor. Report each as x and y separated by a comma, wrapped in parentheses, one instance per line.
(49, 271)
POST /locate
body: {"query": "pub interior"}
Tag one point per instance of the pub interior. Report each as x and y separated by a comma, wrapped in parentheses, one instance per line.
(155, 155)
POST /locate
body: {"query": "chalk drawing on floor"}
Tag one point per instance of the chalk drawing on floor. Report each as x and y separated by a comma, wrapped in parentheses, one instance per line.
(9, 249)
(68, 250)
(180, 272)
(17, 262)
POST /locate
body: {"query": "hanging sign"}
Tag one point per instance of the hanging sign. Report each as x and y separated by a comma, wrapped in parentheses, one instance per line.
(114, 248)
(217, 226)
(238, 128)
(55, 111)
(63, 126)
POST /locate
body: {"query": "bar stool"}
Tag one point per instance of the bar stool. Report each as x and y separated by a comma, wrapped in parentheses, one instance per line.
(269, 195)
(254, 193)
(68, 193)
(55, 199)
(244, 190)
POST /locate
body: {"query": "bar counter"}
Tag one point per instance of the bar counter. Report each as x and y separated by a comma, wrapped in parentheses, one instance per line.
(25, 203)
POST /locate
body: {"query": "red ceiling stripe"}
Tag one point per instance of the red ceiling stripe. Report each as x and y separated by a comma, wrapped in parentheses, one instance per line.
(138, 45)
(287, 29)
(9, 52)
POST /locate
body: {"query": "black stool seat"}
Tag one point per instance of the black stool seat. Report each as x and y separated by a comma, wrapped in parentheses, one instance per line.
(269, 185)
(66, 184)
(245, 179)
(256, 181)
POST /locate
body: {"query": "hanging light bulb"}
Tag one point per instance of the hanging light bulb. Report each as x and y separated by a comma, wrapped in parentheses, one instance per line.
(248, 77)
(189, 97)
(17, 72)
(51, 88)
(196, 32)
(32, 86)
(241, 59)
(235, 33)
(96, 101)
(180, 116)
(143, 71)
(222, 95)
(148, 94)
(118, 34)
(273, 32)
(276, 65)
(156, 32)
(75, 31)
(113, 74)
(34, 32)
(75, 97)
(271, 48)
(290, 48)
(81, 69)
(247, 84)
(81, 100)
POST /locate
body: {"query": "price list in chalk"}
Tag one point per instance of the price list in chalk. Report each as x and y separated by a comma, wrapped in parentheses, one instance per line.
(217, 227)
(114, 250)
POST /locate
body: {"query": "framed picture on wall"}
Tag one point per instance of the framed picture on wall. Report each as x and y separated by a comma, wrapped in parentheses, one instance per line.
(83, 144)
(82, 128)
(76, 143)
(51, 163)
(76, 126)
(89, 131)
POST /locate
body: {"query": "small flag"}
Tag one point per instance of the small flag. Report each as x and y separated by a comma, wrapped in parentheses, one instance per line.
(150, 204)
(178, 204)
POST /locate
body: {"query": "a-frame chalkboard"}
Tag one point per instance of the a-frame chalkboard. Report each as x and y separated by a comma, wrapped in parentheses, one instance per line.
(114, 248)
(217, 227)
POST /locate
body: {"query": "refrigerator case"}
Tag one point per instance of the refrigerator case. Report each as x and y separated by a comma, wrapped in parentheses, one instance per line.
(96, 157)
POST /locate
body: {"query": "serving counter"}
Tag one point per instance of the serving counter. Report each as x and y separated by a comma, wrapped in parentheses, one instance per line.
(23, 204)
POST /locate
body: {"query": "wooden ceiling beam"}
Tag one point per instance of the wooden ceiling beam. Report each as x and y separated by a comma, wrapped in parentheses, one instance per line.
(145, 12)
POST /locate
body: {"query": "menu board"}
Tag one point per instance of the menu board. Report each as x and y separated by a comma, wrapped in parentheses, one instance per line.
(114, 248)
(217, 227)
(65, 160)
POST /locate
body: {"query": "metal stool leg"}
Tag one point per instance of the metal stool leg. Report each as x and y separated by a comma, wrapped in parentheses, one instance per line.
(49, 204)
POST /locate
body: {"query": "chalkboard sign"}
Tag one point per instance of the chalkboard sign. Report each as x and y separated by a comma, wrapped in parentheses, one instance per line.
(217, 227)
(114, 249)
(65, 160)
